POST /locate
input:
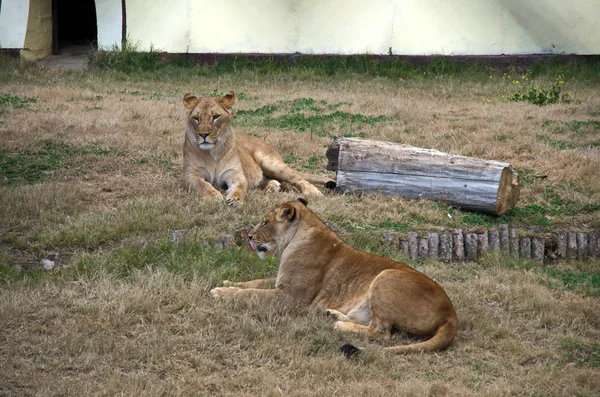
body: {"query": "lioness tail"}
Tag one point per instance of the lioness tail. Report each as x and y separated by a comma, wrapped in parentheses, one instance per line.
(442, 339)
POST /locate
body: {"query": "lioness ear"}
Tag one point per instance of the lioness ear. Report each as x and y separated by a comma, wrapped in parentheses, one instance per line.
(190, 101)
(286, 213)
(228, 101)
(303, 201)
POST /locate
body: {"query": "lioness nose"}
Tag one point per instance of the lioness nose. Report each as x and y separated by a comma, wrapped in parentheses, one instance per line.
(203, 135)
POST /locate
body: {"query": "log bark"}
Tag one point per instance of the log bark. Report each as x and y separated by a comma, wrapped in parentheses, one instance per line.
(434, 244)
(514, 243)
(582, 246)
(394, 169)
(494, 240)
(525, 247)
(471, 247)
(504, 240)
(413, 245)
(423, 250)
(446, 247)
(458, 248)
(572, 245)
(537, 250)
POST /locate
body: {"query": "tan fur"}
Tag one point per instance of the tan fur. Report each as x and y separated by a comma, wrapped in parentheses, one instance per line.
(214, 157)
(363, 292)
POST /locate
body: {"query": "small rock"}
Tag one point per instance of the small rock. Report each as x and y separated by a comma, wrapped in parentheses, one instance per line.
(227, 240)
(47, 264)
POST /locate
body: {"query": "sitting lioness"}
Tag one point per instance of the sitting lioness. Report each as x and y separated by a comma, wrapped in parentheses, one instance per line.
(365, 293)
(214, 157)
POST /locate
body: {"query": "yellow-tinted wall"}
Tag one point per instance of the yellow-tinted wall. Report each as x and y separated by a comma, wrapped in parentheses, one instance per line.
(414, 27)
(38, 39)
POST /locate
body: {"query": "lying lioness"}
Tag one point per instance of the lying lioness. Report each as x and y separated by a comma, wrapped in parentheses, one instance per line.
(214, 157)
(363, 292)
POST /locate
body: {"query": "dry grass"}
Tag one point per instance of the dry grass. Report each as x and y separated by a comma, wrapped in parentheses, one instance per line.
(118, 318)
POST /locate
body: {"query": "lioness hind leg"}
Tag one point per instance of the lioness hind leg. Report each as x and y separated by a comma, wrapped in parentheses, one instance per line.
(280, 171)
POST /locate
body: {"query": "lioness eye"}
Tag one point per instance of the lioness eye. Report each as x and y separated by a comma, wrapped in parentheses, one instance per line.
(196, 119)
(216, 117)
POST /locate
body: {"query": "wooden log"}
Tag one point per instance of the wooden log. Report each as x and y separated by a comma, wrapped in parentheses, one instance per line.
(393, 169)
(423, 249)
(413, 245)
(471, 247)
(434, 244)
(561, 245)
(582, 246)
(595, 245)
(404, 247)
(446, 247)
(391, 238)
(494, 240)
(482, 243)
(458, 248)
(572, 245)
(514, 243)
(504, 240)
(525, 247)
(537, 250)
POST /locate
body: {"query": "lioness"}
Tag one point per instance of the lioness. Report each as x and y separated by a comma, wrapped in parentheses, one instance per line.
(363, 292)
(215, 157)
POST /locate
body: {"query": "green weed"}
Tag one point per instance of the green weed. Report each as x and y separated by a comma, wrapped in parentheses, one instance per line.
(527, 92)
(15, 101)
(583, 355)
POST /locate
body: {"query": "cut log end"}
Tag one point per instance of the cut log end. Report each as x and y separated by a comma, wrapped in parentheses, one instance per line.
(508, 190)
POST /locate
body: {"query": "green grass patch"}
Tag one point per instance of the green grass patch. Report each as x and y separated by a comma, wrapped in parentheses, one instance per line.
(305, 115)
(38, 161)
(572, 134)
(583, 282)
(189, 260)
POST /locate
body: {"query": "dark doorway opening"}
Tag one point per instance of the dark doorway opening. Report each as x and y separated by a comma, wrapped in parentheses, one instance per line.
(73, 25)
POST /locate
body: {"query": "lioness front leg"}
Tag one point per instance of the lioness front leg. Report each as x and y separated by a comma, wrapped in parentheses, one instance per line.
(196, 183)
(235, 293)
(237, 186)
(262, 283)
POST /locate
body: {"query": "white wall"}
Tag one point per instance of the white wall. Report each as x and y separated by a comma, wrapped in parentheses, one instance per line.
(109, 16)
(13, 23)
(412, 27)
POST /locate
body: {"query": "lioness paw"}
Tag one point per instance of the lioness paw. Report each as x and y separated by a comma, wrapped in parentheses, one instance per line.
(227, 283)
(224, 292)
(312, 191)
(233, 201)
(335, 315)
(213, 195)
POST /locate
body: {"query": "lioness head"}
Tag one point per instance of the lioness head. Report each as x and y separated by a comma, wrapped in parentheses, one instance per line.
(209, 120)
(277, 228)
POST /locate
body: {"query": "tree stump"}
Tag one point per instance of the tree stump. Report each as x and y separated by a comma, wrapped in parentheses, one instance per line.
(393, 169)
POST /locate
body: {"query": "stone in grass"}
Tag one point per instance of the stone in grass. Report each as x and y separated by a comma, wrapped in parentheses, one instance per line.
(177, 237)
(47, 264)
